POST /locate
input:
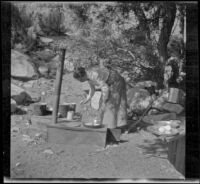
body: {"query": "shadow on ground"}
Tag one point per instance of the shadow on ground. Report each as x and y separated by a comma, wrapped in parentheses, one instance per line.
(151, 147)
(19, 112)
(139, 126)
(154, 148)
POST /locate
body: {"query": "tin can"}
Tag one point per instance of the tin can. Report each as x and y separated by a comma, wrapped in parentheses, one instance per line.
(70, 115)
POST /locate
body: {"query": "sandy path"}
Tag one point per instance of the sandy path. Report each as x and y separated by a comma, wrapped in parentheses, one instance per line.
(129, 159)
(132, 159)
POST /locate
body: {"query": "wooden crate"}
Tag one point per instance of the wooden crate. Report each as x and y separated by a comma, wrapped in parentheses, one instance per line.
(72, 132)
(76, 135)
(176, 153)
(62, 134)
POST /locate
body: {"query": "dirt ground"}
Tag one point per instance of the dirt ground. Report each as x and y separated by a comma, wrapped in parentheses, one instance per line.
(140, 155)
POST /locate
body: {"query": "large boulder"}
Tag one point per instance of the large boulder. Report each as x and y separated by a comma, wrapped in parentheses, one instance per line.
(162, 103)
(21, 66)
(161, 100)
(19, 95)
(171, 107)
(138, 100)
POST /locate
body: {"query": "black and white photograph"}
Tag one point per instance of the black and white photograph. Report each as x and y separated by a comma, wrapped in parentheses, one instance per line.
(98, 90)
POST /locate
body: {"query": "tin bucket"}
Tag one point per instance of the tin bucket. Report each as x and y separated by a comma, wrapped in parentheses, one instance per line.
(40, 109)
(63, 108)
(174, 95)
(71, 111)
(67, 110)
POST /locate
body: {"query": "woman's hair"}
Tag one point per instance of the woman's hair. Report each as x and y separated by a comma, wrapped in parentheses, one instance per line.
(79, 72)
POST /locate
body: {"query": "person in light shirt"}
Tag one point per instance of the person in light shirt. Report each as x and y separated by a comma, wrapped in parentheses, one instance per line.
(113, 105)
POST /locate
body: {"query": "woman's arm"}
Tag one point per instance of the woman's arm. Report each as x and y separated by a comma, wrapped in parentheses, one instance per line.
(93, 75)
(91, 93)
(92, 90)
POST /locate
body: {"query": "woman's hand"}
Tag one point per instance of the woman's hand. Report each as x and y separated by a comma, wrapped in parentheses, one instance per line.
(90, 95)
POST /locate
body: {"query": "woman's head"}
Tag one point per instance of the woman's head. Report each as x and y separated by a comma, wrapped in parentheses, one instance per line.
(80, 74)
(175, 47)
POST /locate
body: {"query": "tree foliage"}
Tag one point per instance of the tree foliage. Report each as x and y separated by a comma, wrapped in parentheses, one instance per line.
(131, 36)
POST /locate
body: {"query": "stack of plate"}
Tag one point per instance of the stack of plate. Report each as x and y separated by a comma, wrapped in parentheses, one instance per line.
(165, 128)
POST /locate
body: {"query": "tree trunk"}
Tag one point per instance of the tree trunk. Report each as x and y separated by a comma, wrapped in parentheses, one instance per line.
(168, 22)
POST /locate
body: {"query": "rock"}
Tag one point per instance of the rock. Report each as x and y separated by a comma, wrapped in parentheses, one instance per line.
(95, 101)
(46, 40)
(21, 66)
(19, 95)
(43, 70)
(153, 112)
(159, 102)
(48, 151)
(171, 107)
(13, 105)
(138, 99)
(47, 50)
